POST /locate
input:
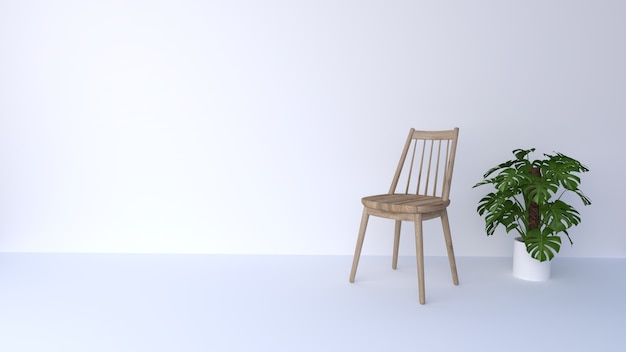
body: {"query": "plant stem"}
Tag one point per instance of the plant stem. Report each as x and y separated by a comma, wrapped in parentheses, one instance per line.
(533, 209)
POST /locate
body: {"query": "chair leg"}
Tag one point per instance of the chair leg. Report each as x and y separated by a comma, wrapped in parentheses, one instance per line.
(419, 249)
(359, 243)
(448, 237)
(396, 244)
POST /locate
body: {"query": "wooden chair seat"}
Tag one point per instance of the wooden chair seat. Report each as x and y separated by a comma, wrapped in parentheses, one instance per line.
(405, 203)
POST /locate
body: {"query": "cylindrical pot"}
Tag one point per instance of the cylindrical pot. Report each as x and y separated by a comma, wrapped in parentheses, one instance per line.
(526, 267)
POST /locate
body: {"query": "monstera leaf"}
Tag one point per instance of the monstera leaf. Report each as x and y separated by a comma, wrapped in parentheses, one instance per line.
(499, 210)
(542, 245)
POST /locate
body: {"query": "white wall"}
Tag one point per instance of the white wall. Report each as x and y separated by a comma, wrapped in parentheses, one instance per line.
(256, 126)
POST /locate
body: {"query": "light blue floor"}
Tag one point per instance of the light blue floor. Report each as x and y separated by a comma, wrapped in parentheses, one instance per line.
(90, 302)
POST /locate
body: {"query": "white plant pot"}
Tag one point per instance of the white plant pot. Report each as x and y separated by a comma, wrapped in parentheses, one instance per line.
(526, 267)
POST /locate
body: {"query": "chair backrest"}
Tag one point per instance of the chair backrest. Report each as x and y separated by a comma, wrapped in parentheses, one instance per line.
(426, 164)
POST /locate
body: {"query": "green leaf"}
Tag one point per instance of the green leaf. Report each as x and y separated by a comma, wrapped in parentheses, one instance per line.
(541, 245)
(540, 191)
(499, 209)
(559, 216)
(522, 153)
(583, 197)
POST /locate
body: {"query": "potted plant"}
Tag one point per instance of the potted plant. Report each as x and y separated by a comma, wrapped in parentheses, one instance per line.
(528, 199)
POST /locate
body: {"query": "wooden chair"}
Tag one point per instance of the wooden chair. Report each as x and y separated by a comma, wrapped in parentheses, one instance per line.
(428, 161)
